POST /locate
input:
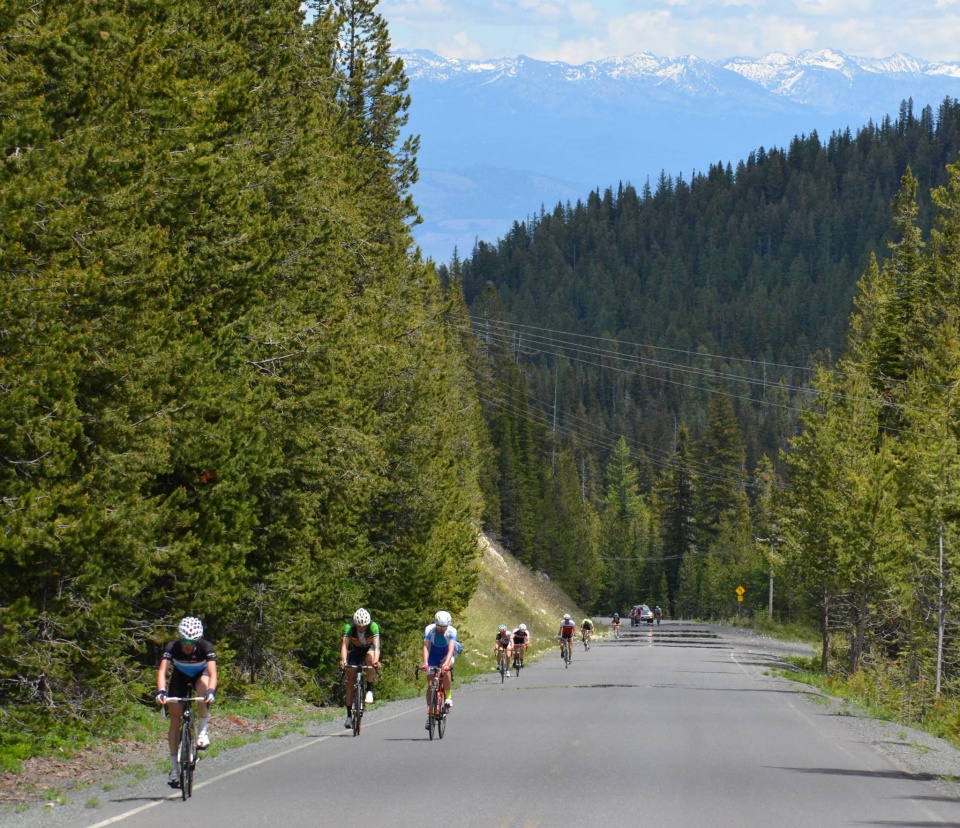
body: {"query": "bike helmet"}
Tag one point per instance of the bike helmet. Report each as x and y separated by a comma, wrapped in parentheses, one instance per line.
(523, 627)
(191, 628)
(503, 628)
(443, 619)
(361, 617)
(616, 615)
(566, 616)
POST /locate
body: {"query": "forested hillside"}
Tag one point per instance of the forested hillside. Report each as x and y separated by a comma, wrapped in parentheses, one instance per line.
(638, 463)
(219, 392)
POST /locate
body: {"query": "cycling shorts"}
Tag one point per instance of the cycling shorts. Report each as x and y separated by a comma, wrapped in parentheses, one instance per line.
(436, 659)
(568, 636)
(182, 685)
(357, 657)
(520, 642)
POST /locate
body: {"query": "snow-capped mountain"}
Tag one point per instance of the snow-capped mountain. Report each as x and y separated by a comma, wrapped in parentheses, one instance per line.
(831, 79)
(499, 133)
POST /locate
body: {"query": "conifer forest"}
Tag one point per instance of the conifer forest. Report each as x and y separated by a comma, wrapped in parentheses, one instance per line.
(231, 386)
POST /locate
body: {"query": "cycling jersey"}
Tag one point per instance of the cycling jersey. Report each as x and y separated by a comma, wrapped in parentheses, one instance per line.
(568, 628)
(520, 636)
(191, 664)
(503, 638)
(439, 643)
(361, 639)
(587, 624)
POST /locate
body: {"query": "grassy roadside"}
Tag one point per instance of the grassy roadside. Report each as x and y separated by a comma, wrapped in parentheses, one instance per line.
(792, 631)
(870, 696)
(511, 594)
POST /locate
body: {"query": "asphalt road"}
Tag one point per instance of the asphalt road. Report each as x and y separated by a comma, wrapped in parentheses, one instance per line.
(675, 726)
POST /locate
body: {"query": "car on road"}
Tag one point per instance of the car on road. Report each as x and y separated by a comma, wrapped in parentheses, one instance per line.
(640, 614)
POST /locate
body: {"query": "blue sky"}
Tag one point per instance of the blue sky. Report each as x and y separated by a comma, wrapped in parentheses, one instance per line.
(580, 30)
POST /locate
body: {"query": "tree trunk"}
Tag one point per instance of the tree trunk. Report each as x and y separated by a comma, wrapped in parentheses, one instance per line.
(824, 657)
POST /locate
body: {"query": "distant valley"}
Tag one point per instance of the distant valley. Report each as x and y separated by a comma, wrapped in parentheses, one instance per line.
(500, 137)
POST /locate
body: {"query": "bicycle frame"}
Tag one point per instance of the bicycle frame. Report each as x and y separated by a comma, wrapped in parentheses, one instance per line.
(188, 744)
(436, 709)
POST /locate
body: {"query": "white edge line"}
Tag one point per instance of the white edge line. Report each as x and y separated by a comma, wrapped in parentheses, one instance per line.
(315, 741)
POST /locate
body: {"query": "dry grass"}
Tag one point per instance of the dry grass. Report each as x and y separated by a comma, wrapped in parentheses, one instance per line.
(511, 594)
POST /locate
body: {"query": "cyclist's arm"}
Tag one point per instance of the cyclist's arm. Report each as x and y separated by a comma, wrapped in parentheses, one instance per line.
(451, 651)
(344, 644)
(376, 649)
(162, 675)
(426, 652)
(212, 671)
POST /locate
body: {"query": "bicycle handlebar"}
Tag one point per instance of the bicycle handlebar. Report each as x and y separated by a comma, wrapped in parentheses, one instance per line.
(183, 699)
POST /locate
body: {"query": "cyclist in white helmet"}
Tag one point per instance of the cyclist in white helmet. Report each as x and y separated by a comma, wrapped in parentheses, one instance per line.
(503, 647)
(521, 640)
(440, 650)
(194, 663)
(567, 628)
(360, 645)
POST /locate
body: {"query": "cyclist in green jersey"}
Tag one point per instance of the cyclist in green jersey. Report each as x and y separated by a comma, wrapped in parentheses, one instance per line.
(360, 647)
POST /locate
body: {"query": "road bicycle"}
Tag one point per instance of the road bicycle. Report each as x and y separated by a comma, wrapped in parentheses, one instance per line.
(586, 640)
(616, 631)
(436, 709)
(503, 664)
(187, 756)
(359, 692)
(565, 647)
(517, 657)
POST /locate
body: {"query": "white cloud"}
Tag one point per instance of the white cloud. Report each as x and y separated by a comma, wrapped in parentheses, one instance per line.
(463, 47)
(579, 30)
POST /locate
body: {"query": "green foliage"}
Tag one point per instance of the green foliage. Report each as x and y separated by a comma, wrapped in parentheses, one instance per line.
(229, 394)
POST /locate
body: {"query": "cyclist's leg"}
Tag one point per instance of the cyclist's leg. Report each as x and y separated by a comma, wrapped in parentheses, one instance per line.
(371, 673)
(351, 681)
(201, 686)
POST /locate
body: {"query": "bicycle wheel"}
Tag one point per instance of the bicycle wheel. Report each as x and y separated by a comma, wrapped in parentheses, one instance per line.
(186, 755)
(357, 703)
(432, 708)
(503, 670)
(442, 723)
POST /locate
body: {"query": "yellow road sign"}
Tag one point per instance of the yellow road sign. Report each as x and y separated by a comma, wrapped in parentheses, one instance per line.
(740, 590)
(739, 597)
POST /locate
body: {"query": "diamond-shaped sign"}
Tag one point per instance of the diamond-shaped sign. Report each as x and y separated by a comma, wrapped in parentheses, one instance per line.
(740, 590)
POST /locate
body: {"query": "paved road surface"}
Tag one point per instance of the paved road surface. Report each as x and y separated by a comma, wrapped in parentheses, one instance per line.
(675, 726)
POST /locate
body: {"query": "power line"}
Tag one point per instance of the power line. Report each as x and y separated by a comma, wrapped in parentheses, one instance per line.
(694, 466)
(725, 357)
(503, 338)
(546, 341)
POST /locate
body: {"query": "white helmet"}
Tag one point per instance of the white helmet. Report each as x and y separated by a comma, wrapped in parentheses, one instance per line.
(443, 619)
(361, 617)
(191, 628)
(566, 616)
(523, 627)
(503, 628)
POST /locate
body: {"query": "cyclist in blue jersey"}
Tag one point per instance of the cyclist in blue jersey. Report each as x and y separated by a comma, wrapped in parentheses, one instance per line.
(440, 650)
(194, 663)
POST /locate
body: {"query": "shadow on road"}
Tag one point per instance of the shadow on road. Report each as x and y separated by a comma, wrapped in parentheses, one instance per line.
(902, 824)
(869, 774)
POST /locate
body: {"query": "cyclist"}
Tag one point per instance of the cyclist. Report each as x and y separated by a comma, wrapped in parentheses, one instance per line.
(586, 629)
(440, 650)
(567, 628)
(658, 613)
(360, 646)
(615, 623)
(503, 647)
(194, 664)
(521, 640)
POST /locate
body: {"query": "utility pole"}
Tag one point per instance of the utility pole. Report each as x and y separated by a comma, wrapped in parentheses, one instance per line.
(770, 601)
(556, 377)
